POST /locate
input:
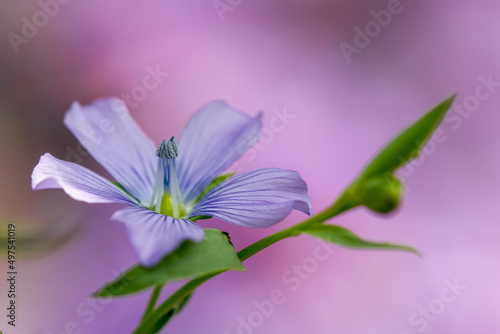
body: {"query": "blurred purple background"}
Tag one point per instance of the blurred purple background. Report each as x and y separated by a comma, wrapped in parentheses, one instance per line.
(326, 114)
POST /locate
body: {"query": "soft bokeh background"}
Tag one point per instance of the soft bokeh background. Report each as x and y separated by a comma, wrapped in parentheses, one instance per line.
(325, 117)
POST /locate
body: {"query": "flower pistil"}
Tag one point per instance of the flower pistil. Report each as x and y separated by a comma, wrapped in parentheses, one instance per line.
(166, 197)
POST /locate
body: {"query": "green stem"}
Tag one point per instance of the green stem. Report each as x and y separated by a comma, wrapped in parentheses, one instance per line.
(289, 232)
(148, 323)
(171, 313)
(152, 300)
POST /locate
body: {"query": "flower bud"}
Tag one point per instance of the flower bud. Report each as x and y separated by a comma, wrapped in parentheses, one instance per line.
(381, 193)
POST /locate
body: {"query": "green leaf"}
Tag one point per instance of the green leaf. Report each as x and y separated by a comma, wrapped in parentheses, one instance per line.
(407, 145)
(214, 254)
(344, 237)
(377, 187)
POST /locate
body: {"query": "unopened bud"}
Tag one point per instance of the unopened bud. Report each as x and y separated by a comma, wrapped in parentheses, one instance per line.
(381, 193)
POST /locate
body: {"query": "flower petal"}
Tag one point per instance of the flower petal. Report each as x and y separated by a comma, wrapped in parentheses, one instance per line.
(154, 235)
(258, 198)
(215, 137)
(111, 136)
(78, 182)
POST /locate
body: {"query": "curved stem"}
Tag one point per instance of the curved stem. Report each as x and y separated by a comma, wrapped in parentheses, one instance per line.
(152, 300)
(292, 231)
(148, 323)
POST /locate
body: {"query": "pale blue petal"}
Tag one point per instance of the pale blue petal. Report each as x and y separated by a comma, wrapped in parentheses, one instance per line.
(154, 235)
(215, 137)
(258, 198)
(111, 136)
(78, 182)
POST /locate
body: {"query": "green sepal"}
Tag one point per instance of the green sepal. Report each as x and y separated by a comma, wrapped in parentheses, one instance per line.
(342, 236)
(124, 190)
(195, 218)
(215, 253)
(218, 180)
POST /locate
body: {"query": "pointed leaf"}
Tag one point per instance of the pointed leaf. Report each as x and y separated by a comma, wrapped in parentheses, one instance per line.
(377, 187)
(344, 237)
(407, 145)
(215, 253)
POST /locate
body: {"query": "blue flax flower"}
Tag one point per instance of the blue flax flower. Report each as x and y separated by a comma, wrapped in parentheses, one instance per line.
(166, 186)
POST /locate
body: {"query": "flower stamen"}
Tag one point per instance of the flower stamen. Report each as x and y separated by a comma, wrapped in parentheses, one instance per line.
(167, 149)
(166, 197)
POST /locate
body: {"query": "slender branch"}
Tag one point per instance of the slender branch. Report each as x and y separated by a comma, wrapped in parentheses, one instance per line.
(290, 232)
(148, 322)
(152, 300)
(171, 313)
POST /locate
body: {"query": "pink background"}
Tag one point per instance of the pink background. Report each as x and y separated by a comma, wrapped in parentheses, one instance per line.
(279, 57)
